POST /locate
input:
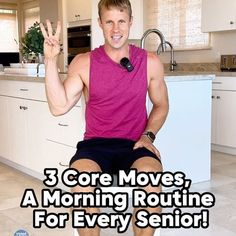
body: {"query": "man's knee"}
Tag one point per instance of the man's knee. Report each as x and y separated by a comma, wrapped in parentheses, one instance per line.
(147, 164)
(85, 165)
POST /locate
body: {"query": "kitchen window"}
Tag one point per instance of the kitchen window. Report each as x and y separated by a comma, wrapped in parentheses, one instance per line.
(179, 21)
(8, 30)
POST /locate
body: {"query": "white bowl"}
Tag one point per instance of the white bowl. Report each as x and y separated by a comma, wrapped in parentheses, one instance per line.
(15, 65)
(30, 65)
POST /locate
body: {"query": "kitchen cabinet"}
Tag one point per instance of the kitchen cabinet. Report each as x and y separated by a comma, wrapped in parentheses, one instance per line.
(78, 10)
(4, 127)
(18, 110)
(218, 15)
(62, 136)
(31, 137)
(224, 112)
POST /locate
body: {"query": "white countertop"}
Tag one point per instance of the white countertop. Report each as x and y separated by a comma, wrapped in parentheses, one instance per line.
(170, 77)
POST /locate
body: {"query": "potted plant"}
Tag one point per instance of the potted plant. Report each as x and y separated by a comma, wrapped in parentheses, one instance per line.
(32, 42)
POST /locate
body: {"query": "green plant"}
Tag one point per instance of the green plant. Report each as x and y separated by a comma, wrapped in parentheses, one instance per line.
(32, 42)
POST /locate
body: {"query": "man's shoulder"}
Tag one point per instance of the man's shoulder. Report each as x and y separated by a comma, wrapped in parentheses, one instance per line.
(153, 58)
(81, 60)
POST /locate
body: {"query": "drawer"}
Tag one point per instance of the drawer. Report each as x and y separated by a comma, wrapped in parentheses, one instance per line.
(67, 129)
(23, 89)
(4, 84)
(27, 90)
(224, 83)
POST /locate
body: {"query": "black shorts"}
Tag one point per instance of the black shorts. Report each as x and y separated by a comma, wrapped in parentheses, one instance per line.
(111, 154)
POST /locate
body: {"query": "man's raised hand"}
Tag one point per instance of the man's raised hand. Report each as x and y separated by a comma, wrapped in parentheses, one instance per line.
(51, 40)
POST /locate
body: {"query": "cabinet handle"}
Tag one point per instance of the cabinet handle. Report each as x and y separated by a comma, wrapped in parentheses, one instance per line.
(63, 164)
(23, 108)
(212, 97)
(231, 22)
(24, 90)
(218, 97)
(63, 125)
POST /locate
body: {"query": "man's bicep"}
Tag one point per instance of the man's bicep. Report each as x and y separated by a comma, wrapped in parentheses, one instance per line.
(73, 88)
(158, 92)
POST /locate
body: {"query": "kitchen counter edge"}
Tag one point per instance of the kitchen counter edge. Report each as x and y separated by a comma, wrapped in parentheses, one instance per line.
(168, 77)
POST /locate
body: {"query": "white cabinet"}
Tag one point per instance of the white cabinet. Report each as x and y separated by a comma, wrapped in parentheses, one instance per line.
(78, 10)
(4, 127)
(30, 136)
(218, 15)
(17, 111)
(224, 112)
(62, 136)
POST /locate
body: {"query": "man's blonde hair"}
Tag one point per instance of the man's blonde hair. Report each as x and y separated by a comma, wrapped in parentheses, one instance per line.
(122, 4)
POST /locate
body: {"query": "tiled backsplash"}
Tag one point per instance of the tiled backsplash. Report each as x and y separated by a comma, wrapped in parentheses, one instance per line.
(195, 67)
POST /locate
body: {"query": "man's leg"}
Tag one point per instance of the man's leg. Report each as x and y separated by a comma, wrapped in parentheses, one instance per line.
(87, 165)
(147, 164)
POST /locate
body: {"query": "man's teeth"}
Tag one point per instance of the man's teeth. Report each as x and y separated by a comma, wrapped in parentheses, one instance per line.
(116, 37)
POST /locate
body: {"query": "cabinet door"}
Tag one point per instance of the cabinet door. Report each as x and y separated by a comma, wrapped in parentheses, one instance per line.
(58, 156)
(67, 129)
(4, 128)
(37, 115)
(226, 128)
(78, 10)
(17, 120)
(214, 119)
(218, 15)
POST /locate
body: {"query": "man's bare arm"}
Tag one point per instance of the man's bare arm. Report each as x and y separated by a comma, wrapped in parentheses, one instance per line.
(61, 96)
(159, 97)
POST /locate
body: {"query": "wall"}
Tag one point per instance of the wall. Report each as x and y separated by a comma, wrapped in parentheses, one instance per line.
(221, 43)
(48, 10)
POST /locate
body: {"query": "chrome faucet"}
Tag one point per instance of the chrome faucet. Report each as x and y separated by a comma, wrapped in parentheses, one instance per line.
(172, 61)
(159, 33)
(38, 65)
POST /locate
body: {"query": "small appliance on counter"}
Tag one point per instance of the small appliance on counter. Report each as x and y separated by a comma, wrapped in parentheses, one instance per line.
(228, 62)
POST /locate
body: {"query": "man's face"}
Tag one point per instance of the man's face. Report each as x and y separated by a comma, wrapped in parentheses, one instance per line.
(115, 25)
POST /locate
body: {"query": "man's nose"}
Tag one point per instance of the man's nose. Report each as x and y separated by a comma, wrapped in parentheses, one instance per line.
(115, 27)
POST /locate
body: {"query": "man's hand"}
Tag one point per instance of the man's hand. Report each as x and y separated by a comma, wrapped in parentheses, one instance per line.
(144, 141)
(51, 41)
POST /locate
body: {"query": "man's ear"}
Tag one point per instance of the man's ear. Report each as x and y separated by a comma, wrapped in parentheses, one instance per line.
(131, 21)
(99, 22)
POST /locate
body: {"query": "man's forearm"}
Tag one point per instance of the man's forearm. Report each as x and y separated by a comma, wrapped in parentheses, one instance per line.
(157, 118)
(55, 91)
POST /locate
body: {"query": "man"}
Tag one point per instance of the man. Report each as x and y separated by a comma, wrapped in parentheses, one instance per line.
(118, 135)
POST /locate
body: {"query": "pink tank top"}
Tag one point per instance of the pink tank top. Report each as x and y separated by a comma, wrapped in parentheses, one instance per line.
(116, 106)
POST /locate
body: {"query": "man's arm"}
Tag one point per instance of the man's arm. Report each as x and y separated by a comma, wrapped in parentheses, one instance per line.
(158, 95)
(61, 96)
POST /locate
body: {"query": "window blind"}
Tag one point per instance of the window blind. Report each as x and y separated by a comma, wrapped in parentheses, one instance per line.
(179, 21)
